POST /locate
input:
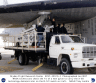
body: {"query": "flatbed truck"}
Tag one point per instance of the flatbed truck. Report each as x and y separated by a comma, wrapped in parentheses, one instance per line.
(66, 51)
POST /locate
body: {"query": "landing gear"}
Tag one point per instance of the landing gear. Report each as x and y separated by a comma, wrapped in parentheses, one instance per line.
(92, 70)
(65, 66)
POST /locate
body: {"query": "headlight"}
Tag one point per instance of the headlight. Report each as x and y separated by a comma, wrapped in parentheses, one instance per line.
(72, 48)
(75, 55)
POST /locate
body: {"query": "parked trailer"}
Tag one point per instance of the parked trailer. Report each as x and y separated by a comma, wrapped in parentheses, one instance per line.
(65, 51)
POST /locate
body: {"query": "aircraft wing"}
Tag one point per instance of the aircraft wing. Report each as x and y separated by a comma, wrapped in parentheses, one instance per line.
(63, 10)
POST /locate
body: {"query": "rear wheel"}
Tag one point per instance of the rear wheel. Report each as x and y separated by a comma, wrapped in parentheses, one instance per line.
(21, 59)
(26, 59)
(65, 66)
(39, 60)
(92, 70)
(0, 57)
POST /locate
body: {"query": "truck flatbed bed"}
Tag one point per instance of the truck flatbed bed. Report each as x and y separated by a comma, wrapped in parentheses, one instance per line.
(24, 48)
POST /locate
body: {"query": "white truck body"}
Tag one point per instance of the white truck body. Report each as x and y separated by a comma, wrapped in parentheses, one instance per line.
(83, 55)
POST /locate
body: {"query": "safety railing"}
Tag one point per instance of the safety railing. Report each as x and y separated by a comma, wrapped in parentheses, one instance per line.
(25, 41)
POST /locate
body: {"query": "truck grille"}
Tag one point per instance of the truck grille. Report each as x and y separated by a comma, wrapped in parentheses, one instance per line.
(89, 52)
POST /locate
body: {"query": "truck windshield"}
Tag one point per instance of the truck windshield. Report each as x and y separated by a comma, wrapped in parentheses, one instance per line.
(71, 39)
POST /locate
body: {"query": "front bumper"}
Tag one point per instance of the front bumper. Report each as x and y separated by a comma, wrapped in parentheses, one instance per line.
(83, 64)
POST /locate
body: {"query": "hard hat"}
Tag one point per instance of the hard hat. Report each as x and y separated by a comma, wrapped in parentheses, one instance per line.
(39, 24)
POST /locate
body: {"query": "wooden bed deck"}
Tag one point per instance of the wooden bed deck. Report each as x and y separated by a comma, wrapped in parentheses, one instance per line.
(25, 48)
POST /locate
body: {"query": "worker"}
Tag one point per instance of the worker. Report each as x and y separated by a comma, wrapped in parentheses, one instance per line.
(54, 24)
(40, 35)
(57, 28)
(62, 29)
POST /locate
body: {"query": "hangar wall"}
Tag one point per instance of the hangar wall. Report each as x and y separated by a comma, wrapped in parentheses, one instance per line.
(86, 28)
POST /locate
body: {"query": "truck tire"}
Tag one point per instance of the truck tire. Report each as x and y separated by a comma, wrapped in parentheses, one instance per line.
(26, 59)
(65, 66)
(21, 59)
(39, 60)
(0, 57)
(92, 70)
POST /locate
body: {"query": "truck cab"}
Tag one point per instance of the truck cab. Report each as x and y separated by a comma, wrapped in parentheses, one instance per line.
(70, 52)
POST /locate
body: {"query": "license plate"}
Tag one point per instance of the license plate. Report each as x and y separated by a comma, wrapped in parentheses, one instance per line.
(91, 64)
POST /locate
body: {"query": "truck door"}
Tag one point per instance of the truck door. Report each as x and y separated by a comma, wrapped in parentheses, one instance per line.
(54, 48)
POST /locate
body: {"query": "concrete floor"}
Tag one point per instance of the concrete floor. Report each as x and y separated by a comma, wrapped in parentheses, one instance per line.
(27, 69)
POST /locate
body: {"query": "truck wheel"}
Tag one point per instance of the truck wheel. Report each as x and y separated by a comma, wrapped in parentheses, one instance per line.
(65, 67)
(92, 70)
(26, 59)
(39, 60)
(0, 57)
(21, 59)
